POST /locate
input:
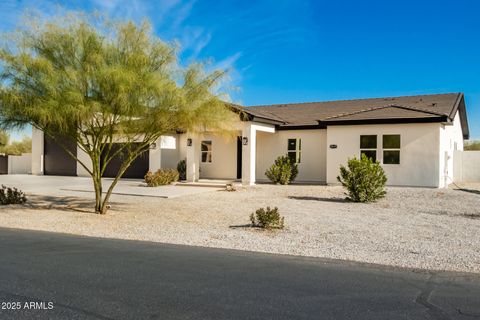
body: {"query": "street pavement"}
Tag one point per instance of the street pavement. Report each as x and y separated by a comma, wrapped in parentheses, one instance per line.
(58, 276)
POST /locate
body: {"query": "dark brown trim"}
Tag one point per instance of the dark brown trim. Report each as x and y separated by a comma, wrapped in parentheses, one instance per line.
(324, 124)
(386, 121)
(462, 110)
(302, 127)
(456, 105)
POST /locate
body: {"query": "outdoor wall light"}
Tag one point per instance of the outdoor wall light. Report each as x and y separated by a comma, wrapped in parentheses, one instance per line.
(153, 146)
(245, 141)
(189, 142)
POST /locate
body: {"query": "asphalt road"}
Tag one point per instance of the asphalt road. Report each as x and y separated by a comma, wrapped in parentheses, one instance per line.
(90, 278)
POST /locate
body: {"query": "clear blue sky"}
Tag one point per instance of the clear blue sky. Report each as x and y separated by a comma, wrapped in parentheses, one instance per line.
(294, 51)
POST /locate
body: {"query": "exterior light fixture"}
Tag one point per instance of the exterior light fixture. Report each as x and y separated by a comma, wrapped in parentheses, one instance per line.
(245, 141)
(153, 146)
(189, 142)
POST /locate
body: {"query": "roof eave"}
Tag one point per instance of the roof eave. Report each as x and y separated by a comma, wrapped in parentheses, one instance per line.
(384, 121)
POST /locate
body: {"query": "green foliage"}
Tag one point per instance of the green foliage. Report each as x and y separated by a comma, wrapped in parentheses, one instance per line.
(472, 146)
(267, 218)
(161, 177)
(11, 196)
(283, 171)
(18, 147)
(182, 169)
(4, 137)
(100, 81)
(364, 179)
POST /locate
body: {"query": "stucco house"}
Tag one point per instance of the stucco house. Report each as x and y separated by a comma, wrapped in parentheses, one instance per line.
(413, 137)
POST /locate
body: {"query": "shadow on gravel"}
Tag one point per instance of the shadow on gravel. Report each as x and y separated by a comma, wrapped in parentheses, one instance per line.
(63, 203)
(471, 215)
(249, 225)
(337, 200)
(469, 190)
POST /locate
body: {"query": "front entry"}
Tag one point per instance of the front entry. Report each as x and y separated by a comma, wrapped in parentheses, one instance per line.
(239, 157)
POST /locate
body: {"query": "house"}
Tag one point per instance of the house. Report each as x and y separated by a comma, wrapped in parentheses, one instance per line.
(413, 137)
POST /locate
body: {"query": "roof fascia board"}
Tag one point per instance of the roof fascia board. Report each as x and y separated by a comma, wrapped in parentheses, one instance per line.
(385, 121)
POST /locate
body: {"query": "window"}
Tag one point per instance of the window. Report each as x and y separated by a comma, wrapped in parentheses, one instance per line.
(206, 151)
(295, 149)
(391, 149)
(368, 146)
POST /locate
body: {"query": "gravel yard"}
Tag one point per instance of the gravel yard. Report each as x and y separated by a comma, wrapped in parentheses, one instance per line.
(412, 227)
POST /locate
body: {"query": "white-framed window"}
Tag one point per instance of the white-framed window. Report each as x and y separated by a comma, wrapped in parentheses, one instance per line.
(294, 150)
(391, 148)
(206, 150)
(368, 146)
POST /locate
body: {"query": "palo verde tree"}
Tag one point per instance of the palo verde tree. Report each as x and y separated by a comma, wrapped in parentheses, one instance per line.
(104, 83)
(4, 138)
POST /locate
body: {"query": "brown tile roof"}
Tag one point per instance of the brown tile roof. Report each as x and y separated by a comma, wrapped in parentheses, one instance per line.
(434, 107)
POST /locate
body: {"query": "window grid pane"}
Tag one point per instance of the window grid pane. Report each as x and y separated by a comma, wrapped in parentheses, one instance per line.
(368, 142)
(369, 154)
(292, 144)
(206, 150)
(391, 141)
(391, 157)
(294, 147)
(292, 155)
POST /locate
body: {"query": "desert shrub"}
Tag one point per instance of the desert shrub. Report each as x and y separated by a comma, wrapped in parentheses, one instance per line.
(267, 218)
(182, 169)
(11, 196)
(161, 177)
(364, 179)
(230, 187)
(283, 171)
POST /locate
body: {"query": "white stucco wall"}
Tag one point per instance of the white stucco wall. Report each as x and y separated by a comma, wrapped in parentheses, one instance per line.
(170, 151)
(21, 164)
(224, 158)
(312, 167)
(419, 160)
(37, 151)
(466, 168)
(451, 139)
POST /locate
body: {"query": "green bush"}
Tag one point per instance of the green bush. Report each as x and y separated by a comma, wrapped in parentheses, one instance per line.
(267, 218)
(11, 196)
(283, 171)
(182, 169)
(364, 179)
(161, 177)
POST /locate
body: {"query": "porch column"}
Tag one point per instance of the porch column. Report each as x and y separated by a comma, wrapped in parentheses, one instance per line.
(193, 160)
(37, 151)
(249, 145)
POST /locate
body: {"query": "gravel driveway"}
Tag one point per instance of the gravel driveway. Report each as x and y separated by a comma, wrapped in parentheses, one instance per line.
(412, 227)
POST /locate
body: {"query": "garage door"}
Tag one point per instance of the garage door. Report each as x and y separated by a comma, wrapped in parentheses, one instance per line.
(137, 169)
(57, 162)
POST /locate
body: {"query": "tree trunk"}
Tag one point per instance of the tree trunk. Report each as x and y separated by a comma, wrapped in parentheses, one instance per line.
(104, 204)
(97, 184)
